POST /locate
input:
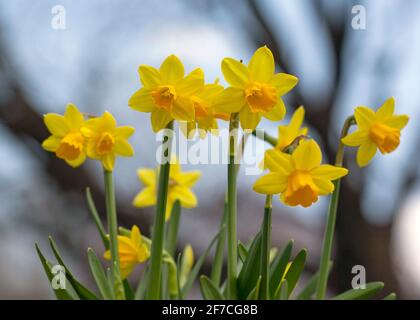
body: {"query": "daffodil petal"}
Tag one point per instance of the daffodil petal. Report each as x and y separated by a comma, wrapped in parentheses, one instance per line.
(147, 176)
(109, 121)
(386, 110)
(191, 84)
(283, 82)
(135, 235)
(329, 172)
(78, 161)
(278, 161)
(297, 118)
(123, 148)
(145, 198)
(235, 72)
(171, 70)
(127, 269)
(160, 118)
(108, 161)
(188, 179)
(398, 122)
(149, 76)
(124, 132)
(366, 152)
(364, 117)
(307, 155)
(356, 138)
(230, 100)
(56, 124)
(324, 186)
(248, 119)
(183, 109)
(185, 196)
(261, 65)
(73, 116)
(271, 183)
(277, 113)
(51, 143)
(142, 101)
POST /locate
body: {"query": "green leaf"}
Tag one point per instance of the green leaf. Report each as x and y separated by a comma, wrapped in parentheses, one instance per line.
(128, 290)
(83, 292)
(371, 290)
(254, 294)
(100, 277)
(173, 227)
(141, 287)
(209, 289)
(282, 292)
(96, 219)
(391, 296)
(310, 287)
(248, 276)
(265, 250)
(293, 274)
(242, 251)
(217, 266)
(194, 272)
(279, 266)
(61, 294)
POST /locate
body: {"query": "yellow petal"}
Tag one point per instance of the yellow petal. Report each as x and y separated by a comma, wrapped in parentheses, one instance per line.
(230, 100)
(56, 124)
(271, 183)
(185, 196)
(297, 118)
(277, 161)
(145, 198)
(191, 84)
(329, 172)
(324, 186)
(188, 179)
(51, 143)
(283, 82)
(160, 118)
(124, 132)
(147, 176)
(107, 255)
(364, 117)
(386, 110)
(183, 109)
(108, 161)
(356, 138)
(249, 120)
(235, 72)
(108, 121)
(171, 70)
(307, 155)
(142, 101)
(73, 116)
(149, 76)
(398, 122)
(123, 148)
(261, 65)
(277, 113)
(366, 152)
(127, 269)
(135, 235)
(78, 161)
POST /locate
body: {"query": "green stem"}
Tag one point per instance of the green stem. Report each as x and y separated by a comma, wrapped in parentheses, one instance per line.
(265, 249)
(331, 218)
(266, 137)
(232, 198)
(159, 221)
(111, 212)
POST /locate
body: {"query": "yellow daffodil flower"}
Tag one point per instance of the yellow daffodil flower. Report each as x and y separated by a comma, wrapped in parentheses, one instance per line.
(66, 139)
(299, 178)
(376, 130)
(187, 263)
(180, 184)
(166, 92)
(131, 251)
(105, 140)
(255, 90)
(205, 116)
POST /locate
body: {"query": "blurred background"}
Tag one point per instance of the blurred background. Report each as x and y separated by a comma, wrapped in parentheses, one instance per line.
(343, 59)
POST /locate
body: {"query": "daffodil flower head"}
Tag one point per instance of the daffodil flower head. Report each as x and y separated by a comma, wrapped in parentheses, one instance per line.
(299, 178)
(255, 90)
(131, 251)
(66, 140)
(166, 92)
(376, 130)
(180, 184)
(105, 140)
(205, 115)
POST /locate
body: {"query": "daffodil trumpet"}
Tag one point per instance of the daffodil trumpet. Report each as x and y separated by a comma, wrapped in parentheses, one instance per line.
(331, 218)
(159, 220)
